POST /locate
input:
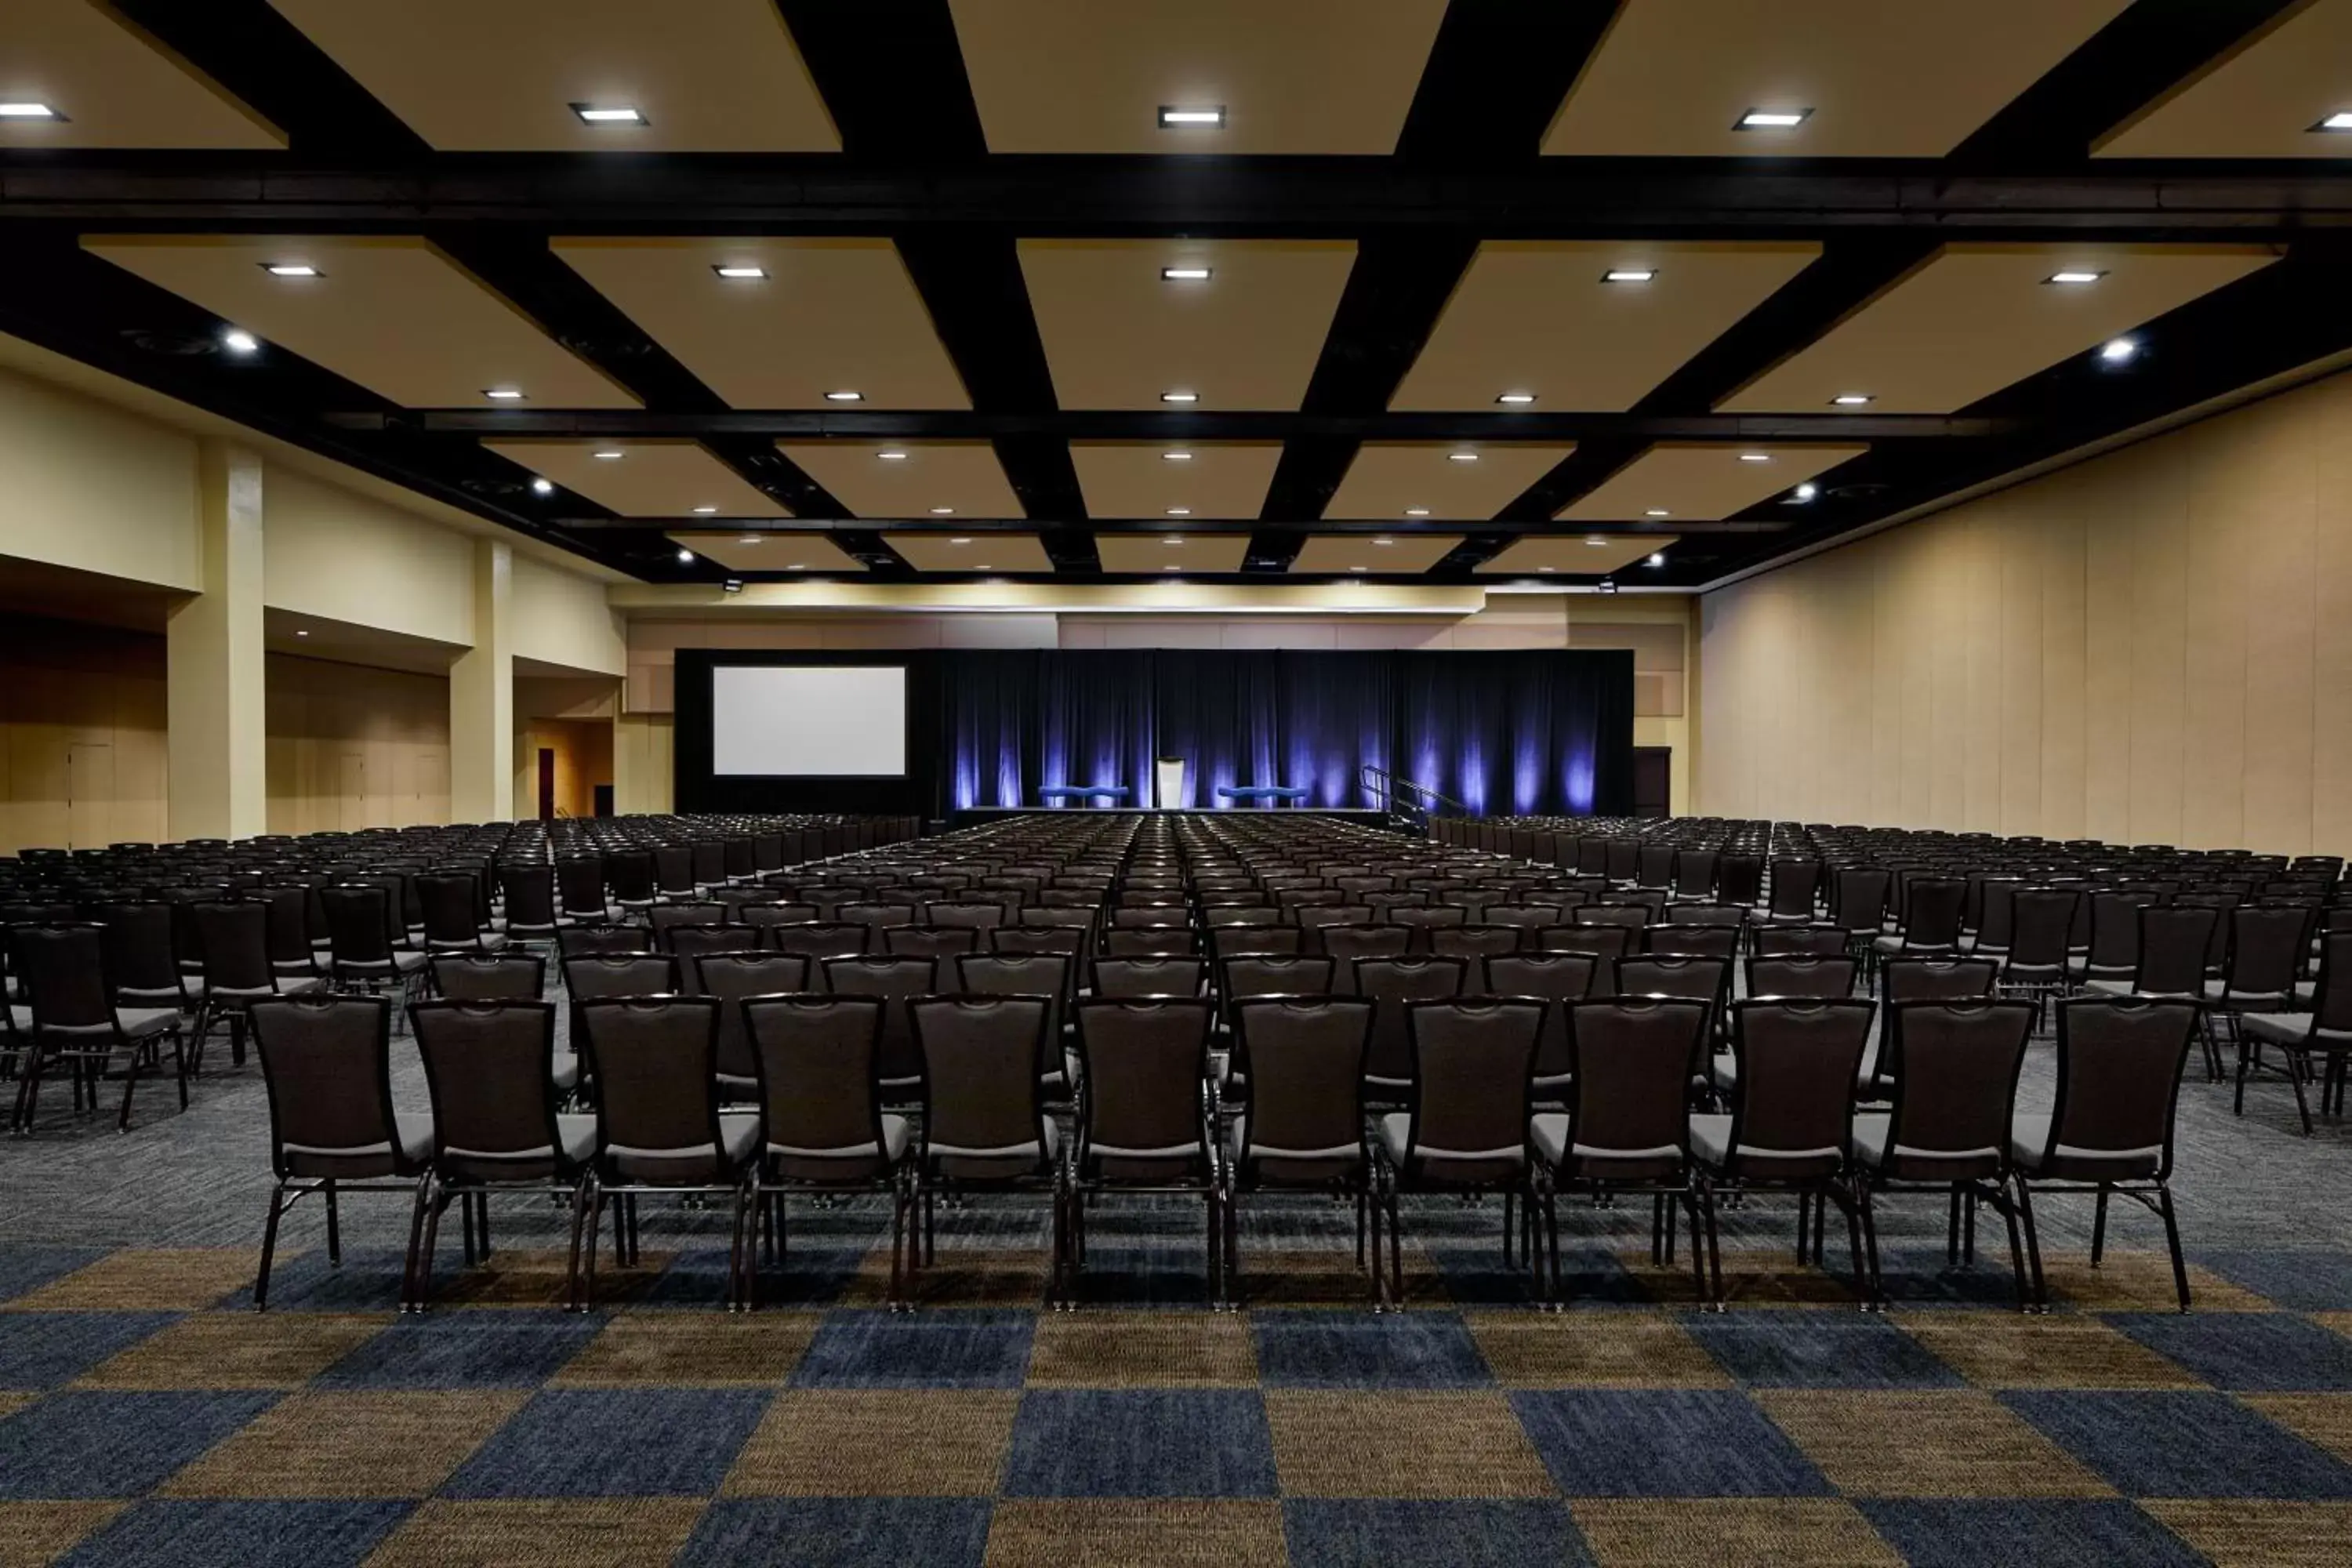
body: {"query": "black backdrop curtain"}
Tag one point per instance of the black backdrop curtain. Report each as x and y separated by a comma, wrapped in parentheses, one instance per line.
(1542, 731)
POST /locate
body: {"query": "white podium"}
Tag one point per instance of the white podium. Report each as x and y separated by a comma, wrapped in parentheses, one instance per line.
(1168, 783)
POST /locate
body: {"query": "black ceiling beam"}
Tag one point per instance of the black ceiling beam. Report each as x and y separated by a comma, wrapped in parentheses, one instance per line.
(1497, 74)
(1161, 525)
(1108, 195)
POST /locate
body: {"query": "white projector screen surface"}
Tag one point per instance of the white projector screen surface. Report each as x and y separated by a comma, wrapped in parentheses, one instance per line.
(812, 721)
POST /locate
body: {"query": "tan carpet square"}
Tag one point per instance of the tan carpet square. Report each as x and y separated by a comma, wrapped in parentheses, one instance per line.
(932, 1442)
(1403, 1445)
(707, 1350)
(535, 1277)
(2140, 1282)
(149, 1280)
(1607, 1348)
(1327, 1276)
(962, 1276)
(1075, 1533)
(2010, 1349)
(2324, 1419)
(237, 1350)
(2248, 1534)
(1728, 1533)
(634, 1532)
(1143, 1350)
(395, 1444)
(12, 1403)
(1752, 1276)
(2341, 1323)
(1956, 1444)
(34, 1534)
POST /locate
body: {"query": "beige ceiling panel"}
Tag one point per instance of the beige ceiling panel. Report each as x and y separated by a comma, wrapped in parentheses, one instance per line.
(1974, 318)
(1537, 318)
(832, 315)
(1372, 553)
(1118, 335)
(1905, 80)
(940, 550)
(392, 314)
(1401, 479)
(715, 75)
(780, 551)
(1298, 76)
(1584, 556)
(1170, 553)
(909, 478)
(1701, 483)
(2261, 100)
(1147, 478)
(108, 87)
(646, 478)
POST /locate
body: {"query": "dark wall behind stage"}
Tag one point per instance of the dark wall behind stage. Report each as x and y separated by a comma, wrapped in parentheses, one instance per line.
(1540, 731)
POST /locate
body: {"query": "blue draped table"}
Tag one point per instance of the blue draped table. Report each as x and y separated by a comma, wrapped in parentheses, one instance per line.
(1264, 794)
(1049, 793)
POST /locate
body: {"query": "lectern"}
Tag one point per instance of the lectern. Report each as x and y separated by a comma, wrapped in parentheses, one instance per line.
(1168, 783)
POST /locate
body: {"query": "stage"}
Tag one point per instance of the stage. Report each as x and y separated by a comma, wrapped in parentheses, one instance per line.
(973, 816)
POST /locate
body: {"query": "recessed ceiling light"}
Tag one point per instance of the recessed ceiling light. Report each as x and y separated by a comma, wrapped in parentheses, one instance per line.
(891, 457)
(942, 511)
(1658, 560)
(2074, 275)
(1461, 457)
(2115, 351)
(1179, 397)
(1774, 119)
(844, 397)
(959, 541)
(607, 455)
(796, 566)
(1657, 511)
(1358, 568)
(1195, 117)
(2340, 120)
(1172, 566)
(744, 273)
(1596, 541)
(1175, 457)
(1173, 539)
(300, 633)
(705, 510)
(1754, 456)
(289, 269)
(733, 585)
(29, 111)
(503, 394)
(1807, 490)
(1179, 511)
(686, 557)
(1629, 275)
(1384, 540)
(1514, 399)
(981, 566)
(1606, 585)
(1416, 512)
(1187, 274)
(1851, 399)
(542, 487)
(749, 539)
(609, 113)
(239, 341)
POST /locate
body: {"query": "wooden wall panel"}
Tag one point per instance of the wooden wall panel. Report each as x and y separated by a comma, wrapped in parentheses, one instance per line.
(2151, 646)
(83, 759)
(352, 747)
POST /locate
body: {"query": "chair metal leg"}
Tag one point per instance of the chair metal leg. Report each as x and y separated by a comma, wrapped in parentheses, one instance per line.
(587, 1295)
(2172, 1241)
(2032, 1243)
(335, 1226)
(410, 1296)
(2099, 1226)
(1875, 1288)
(433, 1212)
(579, 1218)
(268, 1247)
(2298, 1066)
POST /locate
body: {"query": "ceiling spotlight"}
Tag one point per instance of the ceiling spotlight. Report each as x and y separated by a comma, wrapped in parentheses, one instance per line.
(1179, 397)
(2075, 275)
(745, 273)
(609, 114)
(1175, 457)
(1754, 456)
(1358, 568)
(1201, 117)
(1187, 274)
(686, 557)
(503, 394)
(749, 539)
(1514, 399)
(1598, 541)
(981, 566)
(1851, 399)
(1657, 560)
(705, 510)
(2117, 351)
(1547, 568)
(1173, 539)
(1774, 119)
(1606, 585)
(942, 511)
(542, 487)
(844, 397)
(1416, 512)
(1461, 457)
(1172, 567)
(289, 269)
(300, 633)
(1807, 490)
(1179, 511)
(733, 585)
(796, 566)
(1629, 275)
(891, 457)
(607, 455)
(2340, 120)
(1383, 539)
(1657, 511)
(29, 111)
(959, 541)
(236, 340)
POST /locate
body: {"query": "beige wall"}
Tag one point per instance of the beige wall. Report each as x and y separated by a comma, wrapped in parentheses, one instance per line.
(355, 747)
(342, 557)
(2152, 646)
(641, 763)
(89, 487)
(562, 617)
(82, 749)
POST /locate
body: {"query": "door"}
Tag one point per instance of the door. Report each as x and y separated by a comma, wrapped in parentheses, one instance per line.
(350, 804)
(89, 794)
(1653, 776)
(547, 783)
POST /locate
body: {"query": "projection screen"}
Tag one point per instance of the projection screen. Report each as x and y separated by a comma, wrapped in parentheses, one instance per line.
(838, 720)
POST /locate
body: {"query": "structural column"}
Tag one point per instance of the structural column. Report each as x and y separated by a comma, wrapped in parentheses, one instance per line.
(219, 744)
(481, 696)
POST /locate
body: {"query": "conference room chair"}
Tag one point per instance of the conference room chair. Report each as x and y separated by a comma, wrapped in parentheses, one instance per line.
(488, 976)
(1929, 922)
(1066, 941)
(1559, 979)
(673, 878)
(1607, 943)
(1803, 976)
(1149, 942)
(730, 979)
(1795, 890)
(360, 949)
(141, 963)
(2268, 944)
(2110, 1129)
(599, 976)
(761, 913)
(1706, 980)
(940, 943)
(1027, 974)
(1525, 918)
(580, 940)
(1464, 1127)
(580, 887)
(1626, 1128)
(877, 917)
(818, 942)
(2314, 1046)
(1166, 975)
(1474, 942)
(629, 873)
(1313, 917)
(985, 1126)
(1146, 1124)
(1225, 941)
(1739, 880)
(1690, 941)
(1351, 944)
(2176, 947)
(237, 971)
(1792, 1117)
(975, 915)
(688, 943)
(897, 982)
(1302, 1128)
(1800, 941)
(1392, 983)
(72, 1017)
(661, 1128)
(1632, 916)
(453, 915)
(286, 927)
(326, 1067)
(1422, 920)
(664, 919)
(816, 1063)
(1654, 866)
(2113, 951)
(1946, 1130)
(707, 861)
(1857, 899)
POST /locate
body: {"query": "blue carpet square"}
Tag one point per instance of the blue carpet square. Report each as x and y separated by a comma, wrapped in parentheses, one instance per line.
(613, 1442)
(1924, 1276)
(2182, 1445)
(1663, 1443)
(238, 1534)
(2246, 1352)
(2299, 1280)
(840, 1532)
(1478, 1277)
(481, 1349)
(42, 1350)
(1588, 1277)
(1817, 1350)
(113, 1445)
(2017, 1533)
(955, 1348)
(369, 1281)
(29, 1267)
(1461, 1533)
(1309, 1349)
(1170, 1276)
(1141, 1443)
(810, 1276)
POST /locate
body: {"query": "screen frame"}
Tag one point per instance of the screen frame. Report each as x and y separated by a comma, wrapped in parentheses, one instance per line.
(905, 713)
(695, 788)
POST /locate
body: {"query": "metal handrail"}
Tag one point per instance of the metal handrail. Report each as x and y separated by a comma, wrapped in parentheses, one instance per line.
(1386, 786)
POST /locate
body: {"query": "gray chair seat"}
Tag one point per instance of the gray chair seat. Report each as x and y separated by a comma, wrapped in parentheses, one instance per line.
(2307, 991)
(1867, 1144)
(579, 1136)
(2029, 1136)
(139, 1022)
(2293, 1029)
(2218, 993)
(150, 995)
(288, 985)
(1302, 1165)
(1550, 1131)
(1396, 1132)
(857, 1159)
(1723, 1071)
(567, 1070)
(20, 1018)
(1710, 1136)
(1896, 944)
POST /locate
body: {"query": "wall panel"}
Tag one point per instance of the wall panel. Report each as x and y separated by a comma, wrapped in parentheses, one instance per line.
(83, 759)
(352, 747)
